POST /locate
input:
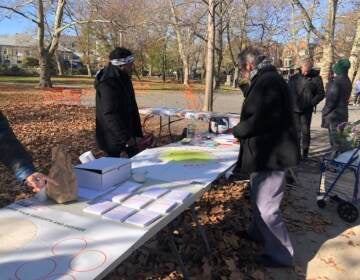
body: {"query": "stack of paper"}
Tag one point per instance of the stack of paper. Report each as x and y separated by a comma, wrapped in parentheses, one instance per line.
(225, 139)
(143, 218)
(119, 214)
(100, 207)
(162, 206)
(137, 201)
(129, 186)
(122, 192)
(120, 197)
(177, 196)
(89, 193)
(155, 192)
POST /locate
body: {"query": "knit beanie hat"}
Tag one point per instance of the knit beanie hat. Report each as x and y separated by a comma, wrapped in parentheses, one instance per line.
(341, 66)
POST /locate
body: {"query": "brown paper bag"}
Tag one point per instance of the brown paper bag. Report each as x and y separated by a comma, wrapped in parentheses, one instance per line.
(62, 172)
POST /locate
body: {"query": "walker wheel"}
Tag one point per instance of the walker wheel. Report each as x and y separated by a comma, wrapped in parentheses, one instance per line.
(321, 203)
(348, 212)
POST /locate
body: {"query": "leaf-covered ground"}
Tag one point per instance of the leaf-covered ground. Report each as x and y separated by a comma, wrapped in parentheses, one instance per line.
(223, 211)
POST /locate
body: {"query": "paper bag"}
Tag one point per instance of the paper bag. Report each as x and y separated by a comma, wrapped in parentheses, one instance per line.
(62, 172)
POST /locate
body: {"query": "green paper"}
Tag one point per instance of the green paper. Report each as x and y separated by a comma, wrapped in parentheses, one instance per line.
(187, 156)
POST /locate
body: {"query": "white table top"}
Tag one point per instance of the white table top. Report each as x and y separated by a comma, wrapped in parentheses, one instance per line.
(57, 241)
(184, 113)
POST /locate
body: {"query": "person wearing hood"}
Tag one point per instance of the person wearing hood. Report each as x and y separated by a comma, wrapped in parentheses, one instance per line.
(338, 94)
(268, 146)
(118, 122)
(307, 90)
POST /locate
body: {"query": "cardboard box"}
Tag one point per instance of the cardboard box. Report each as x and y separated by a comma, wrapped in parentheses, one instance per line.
(103, 173)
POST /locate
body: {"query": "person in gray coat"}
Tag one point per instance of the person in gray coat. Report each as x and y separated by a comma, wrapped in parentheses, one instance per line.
(338, 93)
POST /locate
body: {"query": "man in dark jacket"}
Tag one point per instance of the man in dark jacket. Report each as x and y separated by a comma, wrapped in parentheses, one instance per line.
(117, 115)
(15, 157)
(307, 90)
(268, 146)
(338, 93)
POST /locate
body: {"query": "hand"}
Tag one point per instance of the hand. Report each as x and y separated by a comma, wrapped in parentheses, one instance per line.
(131, 142)
(37, 181)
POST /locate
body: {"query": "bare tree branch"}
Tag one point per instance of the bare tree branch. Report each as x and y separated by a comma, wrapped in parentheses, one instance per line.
(306, 16)
(14, 10)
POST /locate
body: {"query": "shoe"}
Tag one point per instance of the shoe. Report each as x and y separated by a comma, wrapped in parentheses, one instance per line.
(267, 261)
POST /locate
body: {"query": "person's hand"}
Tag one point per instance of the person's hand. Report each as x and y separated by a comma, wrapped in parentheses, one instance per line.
(131, 142)
(37, 181)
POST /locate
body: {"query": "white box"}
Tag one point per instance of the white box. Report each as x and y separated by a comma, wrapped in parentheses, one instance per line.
(103, 173)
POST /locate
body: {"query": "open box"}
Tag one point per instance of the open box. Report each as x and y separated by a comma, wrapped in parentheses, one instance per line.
(103, 173)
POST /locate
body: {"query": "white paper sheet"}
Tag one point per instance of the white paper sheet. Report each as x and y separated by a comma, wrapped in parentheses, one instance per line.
(91, 194)
(100, 207)
(137, 201)
(143, 218)
(123, 191)
(177, 196)
(119, 198)
(119, 214)
(162, 206)
(155, 192)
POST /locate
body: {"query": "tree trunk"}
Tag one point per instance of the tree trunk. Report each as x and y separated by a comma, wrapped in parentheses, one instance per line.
(355, 53)
(186, 72)
(219, 46)
(164, 62)
(209, 91)
(328, 53)
(236, 76)
(59, 65)
(88, 68)
(45, 75)
(181, 44)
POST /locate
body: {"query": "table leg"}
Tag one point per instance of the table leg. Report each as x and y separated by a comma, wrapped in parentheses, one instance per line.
(177, 256)
(169, 127)
(200, 229)
(156, 142)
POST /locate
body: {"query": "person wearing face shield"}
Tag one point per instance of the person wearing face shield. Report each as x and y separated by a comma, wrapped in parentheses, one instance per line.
(118, 122)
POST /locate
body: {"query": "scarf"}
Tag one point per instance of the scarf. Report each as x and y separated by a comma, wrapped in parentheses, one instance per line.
(263, 64)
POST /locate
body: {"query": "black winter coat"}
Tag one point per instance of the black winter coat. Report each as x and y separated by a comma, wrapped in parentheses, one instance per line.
(306, 91)
(338, 93)
(268, 139)
(117, 114)
(12, 152)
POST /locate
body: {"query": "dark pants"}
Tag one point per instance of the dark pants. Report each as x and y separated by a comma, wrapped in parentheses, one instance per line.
(334, 143)
(267, 191)
(303, 124)
(357, 98)
(128, 152)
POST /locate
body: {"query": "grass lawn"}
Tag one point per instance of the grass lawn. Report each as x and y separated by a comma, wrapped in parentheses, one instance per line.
(83, 81)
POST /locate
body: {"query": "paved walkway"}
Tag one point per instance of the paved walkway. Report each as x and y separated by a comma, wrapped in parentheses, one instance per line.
(326, 247)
